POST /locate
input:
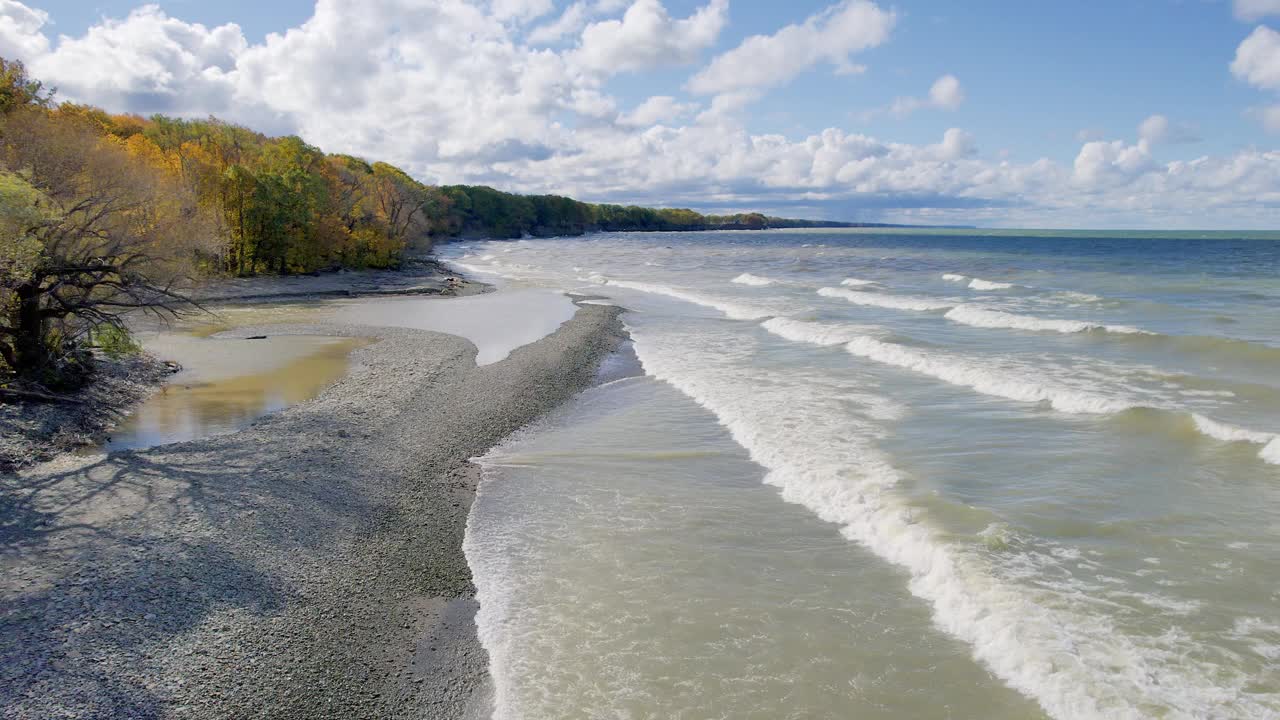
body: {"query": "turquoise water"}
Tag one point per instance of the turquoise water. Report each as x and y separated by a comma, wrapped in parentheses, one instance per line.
(864, 474)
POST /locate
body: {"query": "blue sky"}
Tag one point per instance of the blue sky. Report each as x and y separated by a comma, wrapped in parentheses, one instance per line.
(1042, 127)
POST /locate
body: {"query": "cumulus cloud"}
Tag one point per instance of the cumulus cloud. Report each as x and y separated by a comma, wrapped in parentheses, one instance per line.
(647, 36)
(946, 93)
(765, 61)
(451, 90)
(572, 20)
(1158, 129)
(147, 61)
(657, 109)
(1270, 117)
(1257, 60)
(20, 26)
(521, 10)
(1102, 163)
(1251, 10)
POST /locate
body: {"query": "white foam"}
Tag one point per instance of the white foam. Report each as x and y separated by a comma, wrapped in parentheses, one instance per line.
(1271, 453)
(753, 280)
(813, 332)
(1079, 296)
(1073, 660)
(731, 310)
(985, 318)
(980, 284)
(987, 378)
(1229, 433)
(855, 282)
(953, 277)
(893, 302)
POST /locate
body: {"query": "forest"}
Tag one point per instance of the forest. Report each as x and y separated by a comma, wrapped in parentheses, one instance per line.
(106, 213)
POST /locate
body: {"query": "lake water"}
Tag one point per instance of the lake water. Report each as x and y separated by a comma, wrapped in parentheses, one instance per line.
(865, 474)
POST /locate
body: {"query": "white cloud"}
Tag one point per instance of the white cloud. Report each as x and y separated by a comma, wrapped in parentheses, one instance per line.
(1251, 10)
(1154, 129)
(1257, 59)
(1158, 129)
(521, 10)
(449, 90)
(20, 35)
(765, 61)
(572, 20)
(1102, 163)
(647, 36)
(147, 61)
(1270, 117)
(946, 93)
(657, 109)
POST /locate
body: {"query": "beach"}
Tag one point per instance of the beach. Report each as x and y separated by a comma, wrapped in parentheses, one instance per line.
(308, 565)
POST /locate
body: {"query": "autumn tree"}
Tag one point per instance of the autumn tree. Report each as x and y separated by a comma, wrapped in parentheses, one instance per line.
(101, 232)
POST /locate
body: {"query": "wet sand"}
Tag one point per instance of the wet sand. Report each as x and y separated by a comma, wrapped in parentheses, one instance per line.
(307, 566)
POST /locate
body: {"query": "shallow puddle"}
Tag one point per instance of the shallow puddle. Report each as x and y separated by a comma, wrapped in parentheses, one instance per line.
(206, 401)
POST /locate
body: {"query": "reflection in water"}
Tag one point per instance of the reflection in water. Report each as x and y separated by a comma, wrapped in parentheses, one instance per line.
(180, 412)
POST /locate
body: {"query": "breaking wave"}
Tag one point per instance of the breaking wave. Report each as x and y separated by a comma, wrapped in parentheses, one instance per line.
(892, 302)
(984, 318)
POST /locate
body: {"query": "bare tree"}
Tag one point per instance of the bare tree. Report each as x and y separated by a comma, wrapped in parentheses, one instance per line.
(112, 234)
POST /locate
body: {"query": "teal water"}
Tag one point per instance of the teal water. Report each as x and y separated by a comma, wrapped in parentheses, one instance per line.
(864, 474)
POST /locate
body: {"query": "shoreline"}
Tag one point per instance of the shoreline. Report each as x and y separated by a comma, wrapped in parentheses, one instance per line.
(309, 565)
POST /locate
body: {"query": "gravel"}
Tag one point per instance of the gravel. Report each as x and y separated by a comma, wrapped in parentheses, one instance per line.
(32, 432)
(309, 566)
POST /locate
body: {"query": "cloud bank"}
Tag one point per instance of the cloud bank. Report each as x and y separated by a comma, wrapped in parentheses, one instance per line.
(519, 95)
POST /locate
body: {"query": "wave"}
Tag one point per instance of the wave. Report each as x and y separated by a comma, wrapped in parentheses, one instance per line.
(980, 284)
(813, 332)
(1051, 649)
(855, 282)
(893, 302)
(754, 280)
(1078, 296)
(1271, 453)
(998, 380)
(989, 379)
(984, 318)
(731, 310)
(1229, 433)
(977, 283)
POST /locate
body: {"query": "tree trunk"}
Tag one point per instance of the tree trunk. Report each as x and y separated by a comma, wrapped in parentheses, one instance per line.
(30, 351)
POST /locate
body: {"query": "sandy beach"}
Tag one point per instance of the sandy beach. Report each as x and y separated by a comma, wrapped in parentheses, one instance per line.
(309, 565)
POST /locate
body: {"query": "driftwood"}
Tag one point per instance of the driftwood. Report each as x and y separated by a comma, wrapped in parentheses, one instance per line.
(11, 395)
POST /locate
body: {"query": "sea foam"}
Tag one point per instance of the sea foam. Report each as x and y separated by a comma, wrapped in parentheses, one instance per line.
(1271, 453)
(826, 334)
(856, 282)
(1270, 442)
(985, 318)
(731, 310)
(754, 280)
(989, 379)
(977, 283)
(1061, 654)
(980, 284)
(892, 302)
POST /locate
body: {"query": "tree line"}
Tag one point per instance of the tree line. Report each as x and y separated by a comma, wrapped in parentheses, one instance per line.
(102, 214)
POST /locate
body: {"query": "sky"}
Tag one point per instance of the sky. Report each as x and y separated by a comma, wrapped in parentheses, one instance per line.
(1120, 113)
